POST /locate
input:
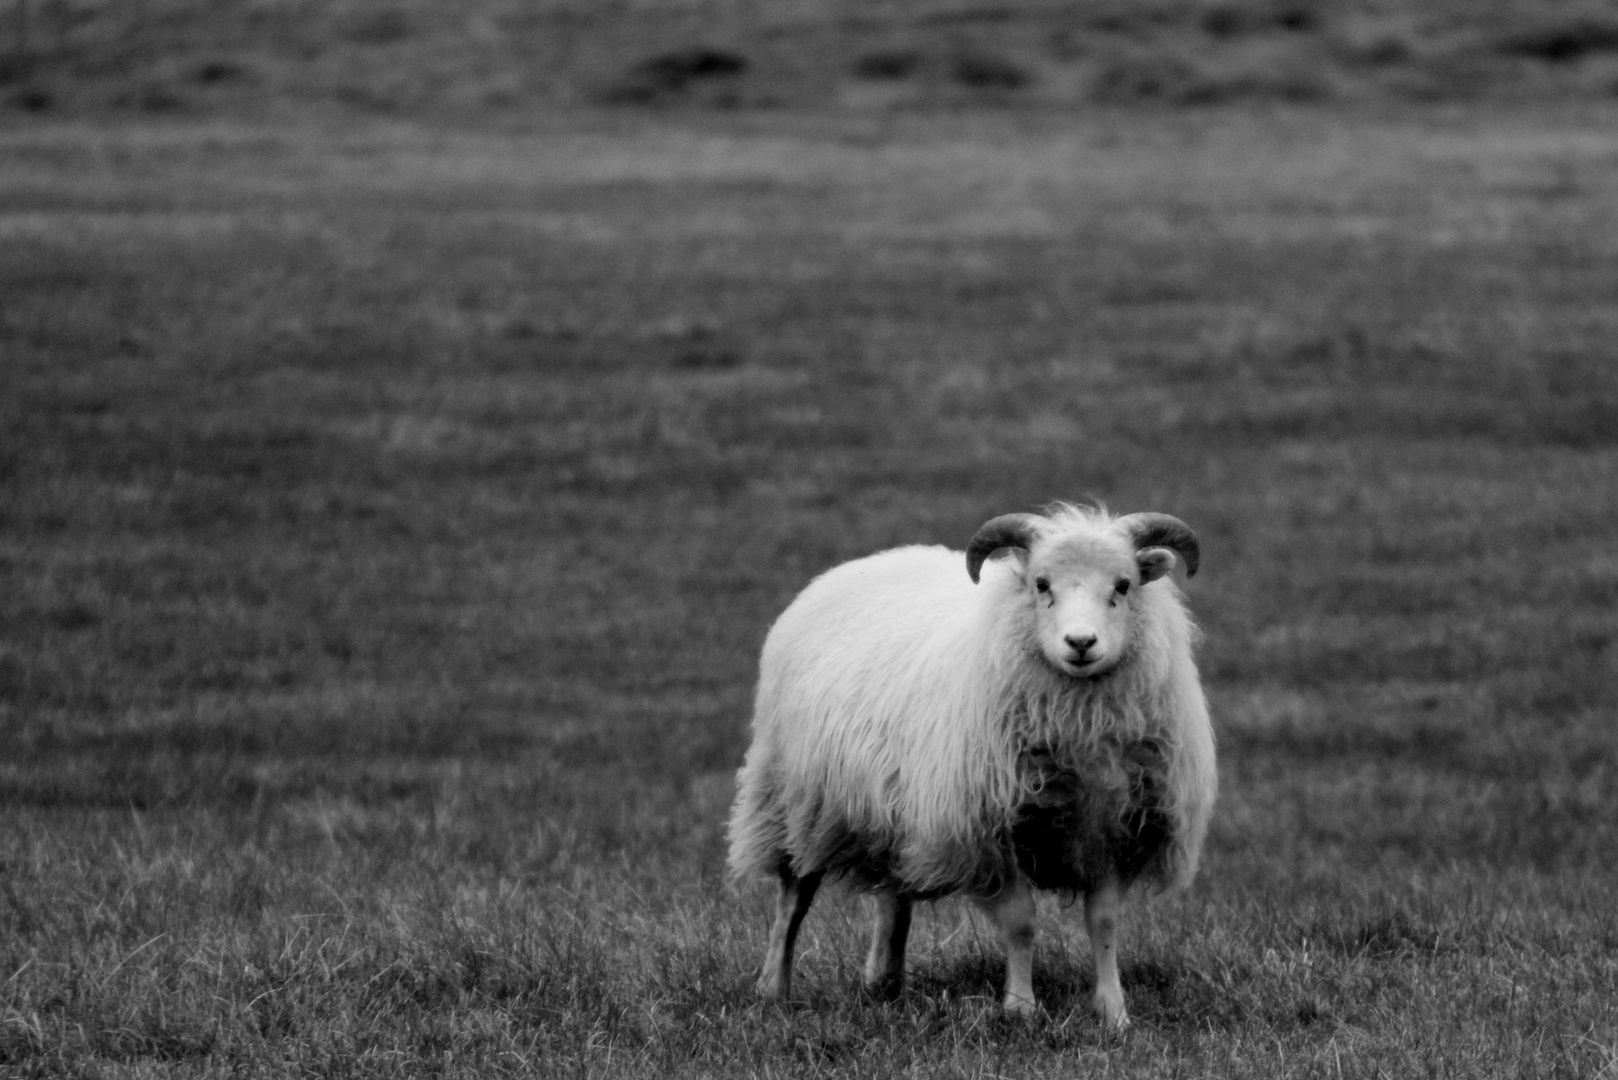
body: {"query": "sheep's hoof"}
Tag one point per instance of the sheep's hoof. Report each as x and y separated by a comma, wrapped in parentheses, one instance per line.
(770, 987)
(885, 987)
(1109, 1008)
(1020, 1006)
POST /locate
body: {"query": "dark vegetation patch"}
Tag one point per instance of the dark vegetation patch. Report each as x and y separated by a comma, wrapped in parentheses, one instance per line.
(1146, 78)
(1175, 79)
(1563, 42)
(982, 70)
(220, 72)
(1231, 20)
(1130, 18)
(888, 64)
(1376, 50)
(32, 99)
(376, 27)
(710, 358)
(975, 14)
(153, 96)
(711, 71)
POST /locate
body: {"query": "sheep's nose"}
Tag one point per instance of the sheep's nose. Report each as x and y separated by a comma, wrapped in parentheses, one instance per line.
(1080, 643)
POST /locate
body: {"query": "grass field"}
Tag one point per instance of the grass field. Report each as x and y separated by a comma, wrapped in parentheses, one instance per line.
(390, 515)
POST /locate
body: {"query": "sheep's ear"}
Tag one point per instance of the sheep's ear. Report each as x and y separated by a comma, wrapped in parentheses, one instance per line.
(1154, 563)
(1162, 530)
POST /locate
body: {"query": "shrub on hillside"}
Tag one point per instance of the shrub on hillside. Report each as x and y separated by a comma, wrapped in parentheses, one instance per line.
(1172, 79)
(1144, 77)
(983, 70)
(1231, 20)
(887, 64)
(1562, 42)
(679, 73)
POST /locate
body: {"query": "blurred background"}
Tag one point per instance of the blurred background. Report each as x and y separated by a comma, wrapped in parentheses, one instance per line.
(498, 57)
(413, 414)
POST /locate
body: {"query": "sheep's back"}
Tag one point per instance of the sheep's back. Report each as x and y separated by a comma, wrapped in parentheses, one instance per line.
(868, 668)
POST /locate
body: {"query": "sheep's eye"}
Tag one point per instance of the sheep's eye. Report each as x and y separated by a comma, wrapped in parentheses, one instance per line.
(1042, 584)
(1123, 586)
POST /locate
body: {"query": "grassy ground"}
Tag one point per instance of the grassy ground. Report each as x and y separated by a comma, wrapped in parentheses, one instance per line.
(390, 516)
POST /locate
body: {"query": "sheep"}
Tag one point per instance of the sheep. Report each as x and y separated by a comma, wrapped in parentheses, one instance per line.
(1037, 723)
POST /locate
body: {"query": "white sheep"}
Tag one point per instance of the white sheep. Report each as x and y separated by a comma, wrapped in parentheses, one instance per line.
(919, 733)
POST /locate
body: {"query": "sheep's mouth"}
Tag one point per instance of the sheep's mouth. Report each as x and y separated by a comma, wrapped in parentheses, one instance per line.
(1084, 669)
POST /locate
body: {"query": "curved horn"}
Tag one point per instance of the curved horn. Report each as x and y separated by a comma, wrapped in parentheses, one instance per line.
(1007, 530)
(1162, 530)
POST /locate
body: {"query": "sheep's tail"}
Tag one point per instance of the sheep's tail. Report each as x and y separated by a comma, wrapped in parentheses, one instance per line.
(1193, 781)
(758, 831)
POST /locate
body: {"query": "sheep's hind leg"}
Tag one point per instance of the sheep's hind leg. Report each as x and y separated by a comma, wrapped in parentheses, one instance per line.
(792, 904)
(1101, 921)
(1012, 910)
(885, 963)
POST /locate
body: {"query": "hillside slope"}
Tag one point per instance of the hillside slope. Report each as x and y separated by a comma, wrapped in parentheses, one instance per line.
(412, 56)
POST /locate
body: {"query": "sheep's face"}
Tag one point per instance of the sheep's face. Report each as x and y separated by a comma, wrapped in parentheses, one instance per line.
(1083, 590)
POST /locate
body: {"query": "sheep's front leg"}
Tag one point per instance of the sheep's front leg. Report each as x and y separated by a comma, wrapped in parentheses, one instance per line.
(885, 963)
(1012, 910)
(1101, 921)
(797, 893)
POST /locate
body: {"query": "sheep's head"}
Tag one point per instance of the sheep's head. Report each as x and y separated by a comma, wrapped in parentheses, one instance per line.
(1081, 575)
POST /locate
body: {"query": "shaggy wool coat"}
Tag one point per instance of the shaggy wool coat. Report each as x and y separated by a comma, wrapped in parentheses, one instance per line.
(907, 733)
